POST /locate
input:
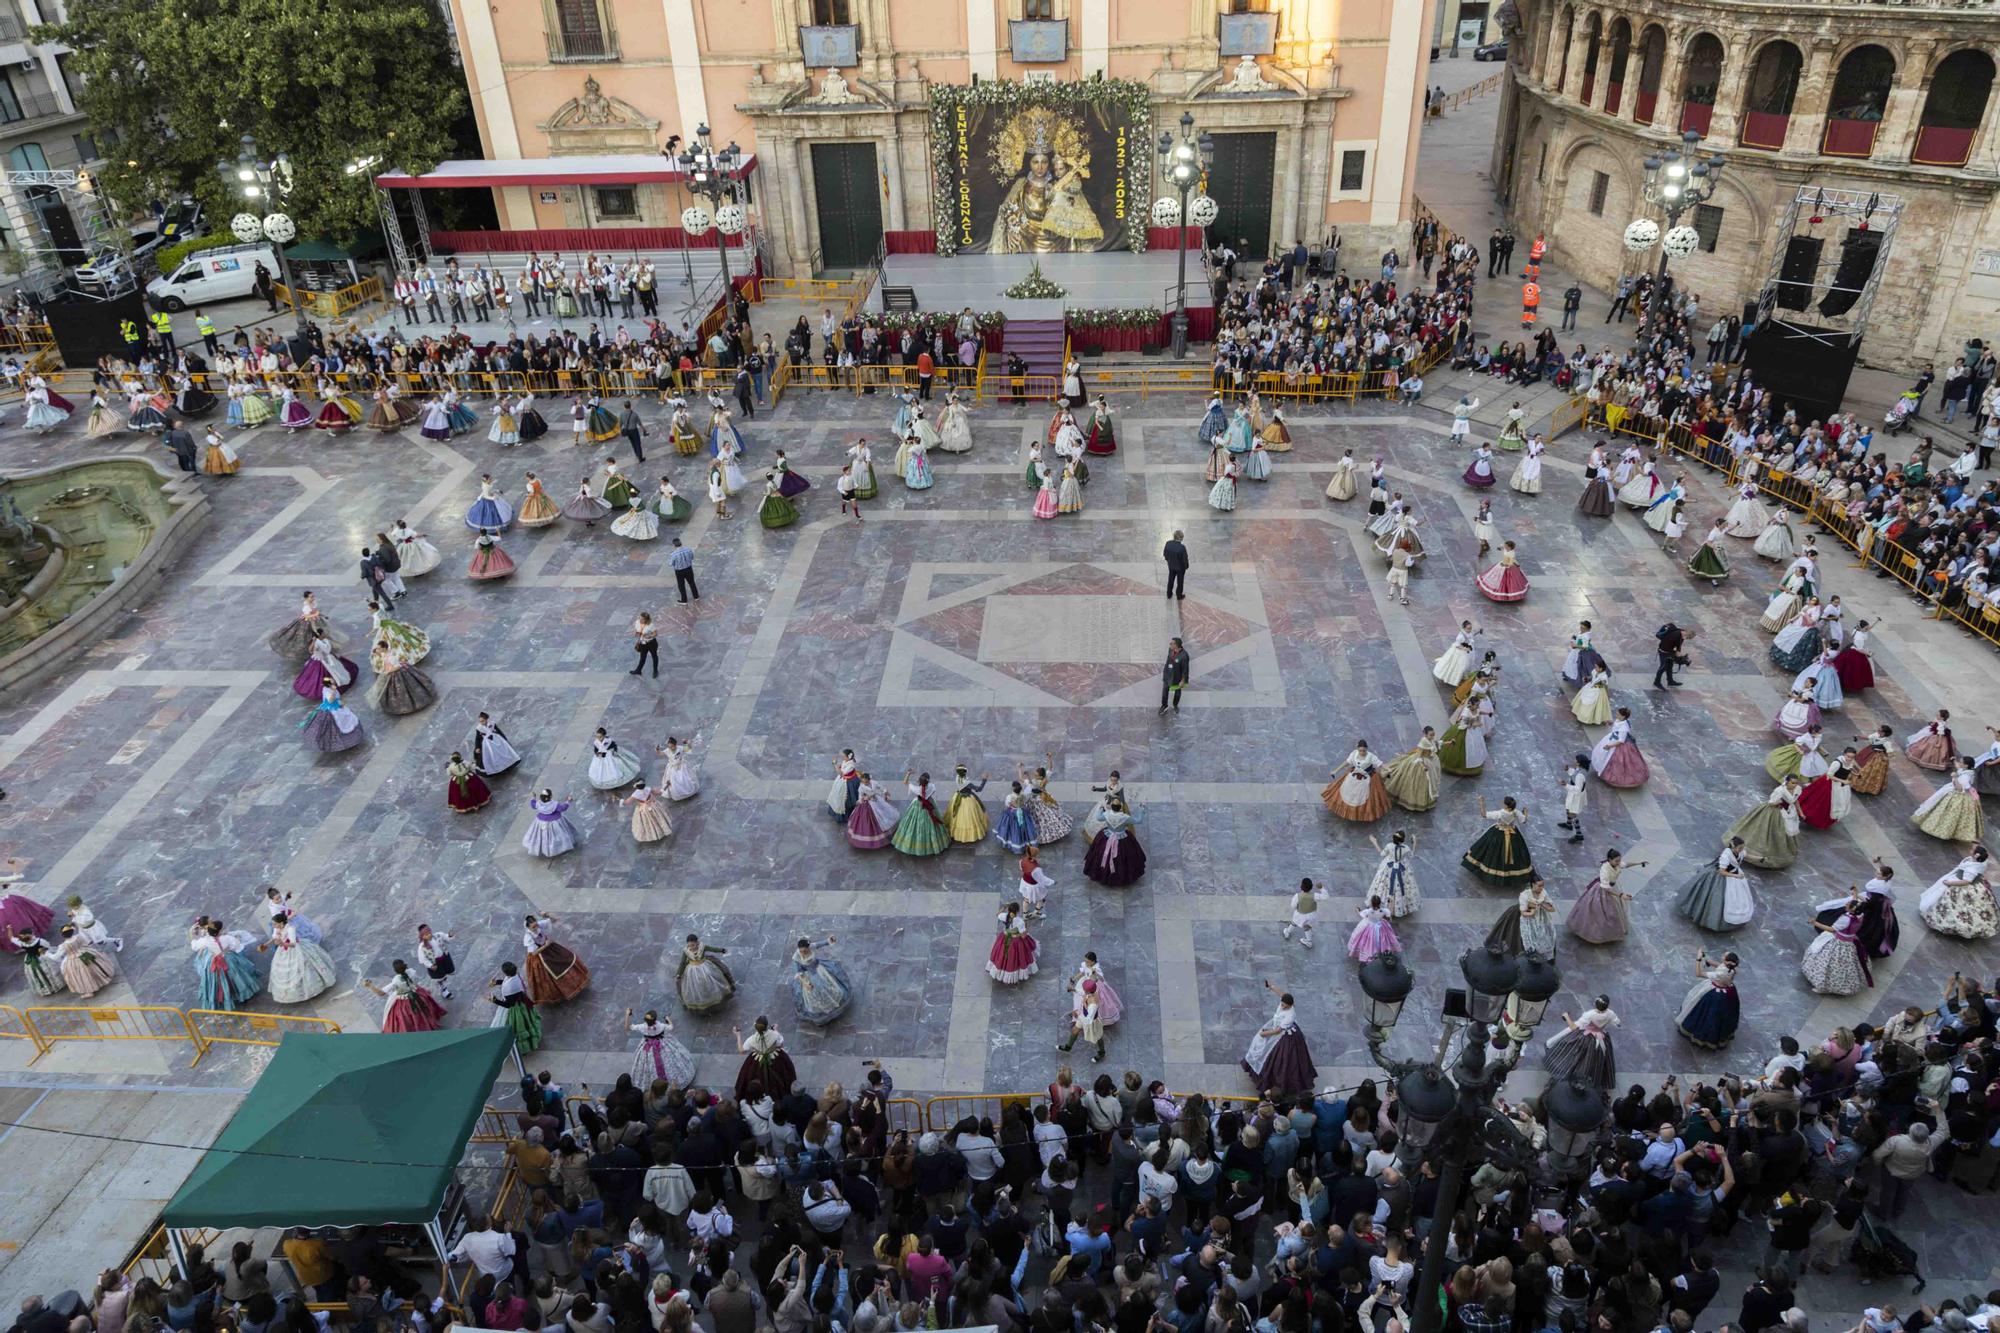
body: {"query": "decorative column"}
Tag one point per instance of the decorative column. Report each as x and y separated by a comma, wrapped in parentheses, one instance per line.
(1673, 68)
(1808, 123)
(1898, 133)
(796, 154)
(1292, 177)
(1731, 88)
(1579, 48)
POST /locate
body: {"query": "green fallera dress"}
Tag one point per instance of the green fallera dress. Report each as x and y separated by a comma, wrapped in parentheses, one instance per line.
(921, 831)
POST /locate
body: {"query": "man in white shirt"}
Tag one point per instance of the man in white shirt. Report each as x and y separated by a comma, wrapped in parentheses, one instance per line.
(1050, 1141)
(489, 1250)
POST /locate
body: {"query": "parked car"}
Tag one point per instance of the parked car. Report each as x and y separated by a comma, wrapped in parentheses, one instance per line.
(1490, 51)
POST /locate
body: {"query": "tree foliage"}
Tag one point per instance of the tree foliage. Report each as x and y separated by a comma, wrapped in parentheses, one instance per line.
(179, 82)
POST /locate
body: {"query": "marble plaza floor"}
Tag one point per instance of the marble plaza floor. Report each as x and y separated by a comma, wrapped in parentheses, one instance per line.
(163, 775)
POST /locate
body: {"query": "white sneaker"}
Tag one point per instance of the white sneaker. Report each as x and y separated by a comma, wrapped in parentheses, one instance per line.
(1286, 933)
(1307, 941)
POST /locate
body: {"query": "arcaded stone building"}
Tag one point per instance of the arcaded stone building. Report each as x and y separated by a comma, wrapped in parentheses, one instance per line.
(1868, 96)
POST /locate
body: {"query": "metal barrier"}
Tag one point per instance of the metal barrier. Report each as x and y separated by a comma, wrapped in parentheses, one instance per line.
(14, 1023)
(155, 1259)
(906, 1113)
(331, 305)
(495, 1126)
(941, 1113)
(236, 1027)
(139, 1022)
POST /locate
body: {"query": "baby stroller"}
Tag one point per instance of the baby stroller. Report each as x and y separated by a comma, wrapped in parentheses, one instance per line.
(1881, 1253)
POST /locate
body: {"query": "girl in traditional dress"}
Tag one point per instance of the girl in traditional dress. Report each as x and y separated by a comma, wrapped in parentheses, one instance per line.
(1708, 562)
(105, 422)
(278, 904)
(1825, 800)
(1089, 982)
(702, 983)
(1500, 855)
(1629, 459)
(1797, 716)
(332, 727)
(492, 753)
(638, 523)
(1719, 897)
(551, 971)
(660, 1057)
(323, 666)
(921, 830)
(293, 415)
(1711, 1010)
(1222, 495)
(1592, 704)
(228, 979)
(257, 409)
(1413, 777)
(1775, 541)
(1278, 1060)
(461, 418)
(1952, 813)
(1797, 645)
(840, 797)
(1784, 605)
(1341, 487)
(1528, 926)
(549, 833)
(861, 467)
(85, 967)
(683, 778)
(1832, 964)
(1479, 473)
(1014, 830)
(1069, 493)
(649, 814)
(489, 510)
(1582, 659)
(1616, 758)
(1214, 422)
(88, 926)
(610, 766)
(537, 509)
(1665, 510)
(955, 425)
(1642, 489)
(1395, 880)
(514, 1010)
(1503, 581)
(399, 688)
(1583, 1050)
(416, 552)
(1305, 911)
(1595, 502)
(1462, 748)
(687, 440)
(1455, 663)
(1960, 902)
(669, 505)
(1012, 958)
(381, 411)
(409, 1005)
(1115, 858)
(765, 1067)
(1852, 664)
(218, 459)
(1931, 745)
(1602, 914)
(872, 823)
(1052, 822)
(1257, 463)
(464, 790)
(1770, 833)
(820, 988)
(584, 506)
(1049, 484)
(965, 818)
(489, 561)
(1527, 478)
(294, 639)
(301, 968)
(1372, 934)
(1035, 884)
(1821, 680)
(1871, 771)
(1356, 792)
(334, 418)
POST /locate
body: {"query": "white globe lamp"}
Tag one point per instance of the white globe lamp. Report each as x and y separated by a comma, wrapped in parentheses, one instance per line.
(1203, 210)
(1681, 242)
(696, 221)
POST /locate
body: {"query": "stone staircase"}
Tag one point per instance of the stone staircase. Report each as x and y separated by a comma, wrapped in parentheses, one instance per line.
(1039, 342)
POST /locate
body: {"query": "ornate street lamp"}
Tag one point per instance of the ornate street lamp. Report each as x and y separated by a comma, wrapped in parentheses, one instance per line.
(1675, 182)
(711, 174)
(1184, 164)
(266, 184)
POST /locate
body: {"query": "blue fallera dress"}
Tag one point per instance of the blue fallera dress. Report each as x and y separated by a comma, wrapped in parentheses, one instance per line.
(1238, 440)
(1213, 424)
(1710, 1013)
(820, 989)
(1015, 830)
(485, 512)
(228, 980)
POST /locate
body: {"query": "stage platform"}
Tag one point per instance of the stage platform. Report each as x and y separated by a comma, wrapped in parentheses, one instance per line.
(1115, 280)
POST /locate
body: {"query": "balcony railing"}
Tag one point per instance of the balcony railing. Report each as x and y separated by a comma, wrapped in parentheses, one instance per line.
(572, 47)
(34, 106)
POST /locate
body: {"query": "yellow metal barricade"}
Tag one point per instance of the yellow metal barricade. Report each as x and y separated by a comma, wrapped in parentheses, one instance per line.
(906, 1113)
(13, 1023)
(155, 1259)
(237, 1027)
(139, 1022)
(941, 1113)
(495, 1126)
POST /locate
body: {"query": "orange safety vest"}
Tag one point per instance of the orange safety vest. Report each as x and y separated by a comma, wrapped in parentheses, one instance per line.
(1531, 295)
(1538, 249)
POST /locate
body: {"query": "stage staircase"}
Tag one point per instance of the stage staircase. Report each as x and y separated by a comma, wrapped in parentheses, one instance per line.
(899, 298)
(1039, 342)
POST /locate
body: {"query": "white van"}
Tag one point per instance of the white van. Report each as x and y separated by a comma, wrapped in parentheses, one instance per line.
(220, 274)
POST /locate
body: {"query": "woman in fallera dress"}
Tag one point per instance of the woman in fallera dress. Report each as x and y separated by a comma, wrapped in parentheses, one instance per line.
(1278, 1060)
(1592, 704)
(1527, 478)
(766, 1068)
(537, 509)
(660, 1057)
(611, 766)
(1222, 495)
(1821, 680)
(955, 425)
(489, 561)
(638, 523)
(1395, 880)
(1595, 502)
(1454, 664)
(1115, 858)
(490, 510)
(293, 640)
(1356, 792)
(323, 667)
(492, 753)
(1775, 541)
(1832, 963)
(820, 989)
(921, 830)
(703, 984)
(332, 727)
(228, 979)
(464, 790)
(1603, 911)
(1710, 1012)
(1414, 777)
(1931, 745)
(872, 822)
(551, 971)
(1503, 580)
(399, 688)
(513, 1010)
(1372, 934)
(1341, 487)
(418, 554)
(1462, 748)
(1825, 800)
(1052, 822)
(650, 821)
(1855, 667)
(218, 458)
(301, 968)
(1770, 833)
(1583, 1050)
(1012, 957)
(1582, 657)
(1708, 561)
(85, 966)
(1952, 813)
(1528, 925)
(1069, 492)
(1014, 830)
(584, 506)
(1479, 473)
(1871, 761)
(1801, 758)
(1796, 716)
(38, 963)
(682, 777)
(1960, 901)
(669, 505)
(965, 818)
(1747, 517)
(1797, 645)
(550, 834)
(408, 1004)
(1616, 759)
(1500, 855)
(1047, 503)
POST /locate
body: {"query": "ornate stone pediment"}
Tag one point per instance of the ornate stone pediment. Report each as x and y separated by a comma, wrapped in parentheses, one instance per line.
(834, 92)
(595, 123)
(1249, 78)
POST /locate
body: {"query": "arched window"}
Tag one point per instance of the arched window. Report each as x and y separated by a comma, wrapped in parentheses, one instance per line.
(1953, 108)
(1593, 39)
(1652, 57)
(1860, 95)
(1621, 51)
(1767, 96)
(1700, 82)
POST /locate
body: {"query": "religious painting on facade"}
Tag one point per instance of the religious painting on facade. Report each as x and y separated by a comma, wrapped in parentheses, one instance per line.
(1036, 169)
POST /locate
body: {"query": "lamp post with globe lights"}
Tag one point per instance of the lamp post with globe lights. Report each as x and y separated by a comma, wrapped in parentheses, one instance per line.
(265, 183)
(1446, 1114)
(711, 174)
(1676, 181)
(1184, 163)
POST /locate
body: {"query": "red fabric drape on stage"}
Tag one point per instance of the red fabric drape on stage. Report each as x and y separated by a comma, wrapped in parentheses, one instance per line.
(1201, 329)
(909, 242)
(574, 238)
(1162, 238)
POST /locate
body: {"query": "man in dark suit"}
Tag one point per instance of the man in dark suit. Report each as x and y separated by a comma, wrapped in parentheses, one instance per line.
(182, 443)
(1173, 677)
(746, 390)
(1669, 641)
(1177, 564)
(372, 575)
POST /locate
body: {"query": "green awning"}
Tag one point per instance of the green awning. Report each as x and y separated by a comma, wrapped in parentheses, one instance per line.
(346, 1130)
(366, 245)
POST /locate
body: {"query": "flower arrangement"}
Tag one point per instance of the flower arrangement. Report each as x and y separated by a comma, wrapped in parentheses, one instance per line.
(924, 321)
(1126, 105)
(1037, 286)
(1145, 318)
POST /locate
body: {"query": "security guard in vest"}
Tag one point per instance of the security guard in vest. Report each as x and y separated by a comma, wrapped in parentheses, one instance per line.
(209, 339)
(163, 329)
(1531, 300)
(134, 340)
